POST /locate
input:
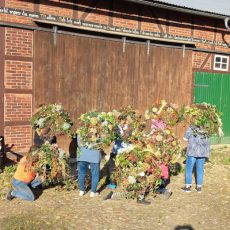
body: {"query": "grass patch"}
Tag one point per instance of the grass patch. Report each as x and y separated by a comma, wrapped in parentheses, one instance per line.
(5, 179)
(220, 156)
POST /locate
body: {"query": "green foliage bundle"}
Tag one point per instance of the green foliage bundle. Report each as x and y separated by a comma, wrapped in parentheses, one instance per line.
(204, 116)
(163, 111)
(52, 164)
(97, 130)
(137, 172)
(53, 118)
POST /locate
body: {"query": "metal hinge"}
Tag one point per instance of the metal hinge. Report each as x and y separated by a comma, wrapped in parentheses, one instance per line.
(199, 85)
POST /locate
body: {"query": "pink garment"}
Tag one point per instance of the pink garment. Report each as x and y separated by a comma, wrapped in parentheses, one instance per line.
(164, 171)
(158, 124)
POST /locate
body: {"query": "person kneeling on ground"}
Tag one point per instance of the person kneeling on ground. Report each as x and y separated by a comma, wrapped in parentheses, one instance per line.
(25, 177)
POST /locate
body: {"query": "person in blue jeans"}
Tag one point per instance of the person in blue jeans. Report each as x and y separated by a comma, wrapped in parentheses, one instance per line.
(88, 158)
(25, 177)
(111, 163)
(22, 190)
(198, 150)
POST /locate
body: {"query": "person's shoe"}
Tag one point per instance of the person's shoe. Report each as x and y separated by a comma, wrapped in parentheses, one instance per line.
(187, 189)
(111, 186)
(108, 196)
(199, 189)
(9, 196)
(167, 194)
(81, 193)
(39, 187)
(94, 194)
(143, 201)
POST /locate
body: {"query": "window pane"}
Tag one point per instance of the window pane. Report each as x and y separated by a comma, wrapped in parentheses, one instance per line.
(218, 59)
(224, 60)
(217, 65)
(224, 66)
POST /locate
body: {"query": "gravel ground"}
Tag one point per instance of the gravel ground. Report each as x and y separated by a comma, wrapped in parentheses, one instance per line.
(66, 210)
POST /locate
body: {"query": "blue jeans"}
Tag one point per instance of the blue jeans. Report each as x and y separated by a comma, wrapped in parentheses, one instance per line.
(162, 187)
(95, 172)
(22, 190)
(190, 162)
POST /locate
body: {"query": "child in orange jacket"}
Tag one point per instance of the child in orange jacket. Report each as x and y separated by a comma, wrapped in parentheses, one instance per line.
(24, 177)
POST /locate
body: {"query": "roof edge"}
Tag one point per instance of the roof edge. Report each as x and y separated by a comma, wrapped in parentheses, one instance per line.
(179, 9)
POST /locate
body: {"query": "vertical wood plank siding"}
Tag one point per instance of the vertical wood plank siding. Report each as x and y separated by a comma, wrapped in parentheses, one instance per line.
(86, 73)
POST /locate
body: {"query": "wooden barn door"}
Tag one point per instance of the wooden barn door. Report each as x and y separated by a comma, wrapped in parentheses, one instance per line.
(89, 73)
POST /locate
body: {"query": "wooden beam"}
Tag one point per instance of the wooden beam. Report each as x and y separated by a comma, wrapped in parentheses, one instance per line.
(92, 6)
(75, 8)
(111, 12)
(18, 58)
(192, 26)
(2, 3)
(156, 18)
(19, 91)
(205, 61)
(36, 5)
(2, 69)
(210, 71)
(16, 123)
(214, 46)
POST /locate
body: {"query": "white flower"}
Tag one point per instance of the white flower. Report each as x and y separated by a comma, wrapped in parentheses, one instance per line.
(120, 130)
(220, 132)
(41, 122)
(131, 179)
(58, 108)
(125, 147)
(105, 123)
(154, 109)
(142, 174)
(61, 153)
(65, 126)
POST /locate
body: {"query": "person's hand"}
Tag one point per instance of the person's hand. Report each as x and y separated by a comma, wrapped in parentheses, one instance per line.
(42, 178)
(45, 131)
(107, 157)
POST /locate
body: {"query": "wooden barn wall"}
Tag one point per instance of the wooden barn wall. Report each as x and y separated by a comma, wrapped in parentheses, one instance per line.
(88, 73)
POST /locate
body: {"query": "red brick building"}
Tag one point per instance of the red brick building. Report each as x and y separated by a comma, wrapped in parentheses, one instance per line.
(102, 55)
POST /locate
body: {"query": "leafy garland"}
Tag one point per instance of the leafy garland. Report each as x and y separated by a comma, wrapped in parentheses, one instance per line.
(145, 148)
(163, 111)
(138, 166)
(53, 118)
(130, 124)
(52, 164)
(97, 130)
(137, 172)
(205, 117)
